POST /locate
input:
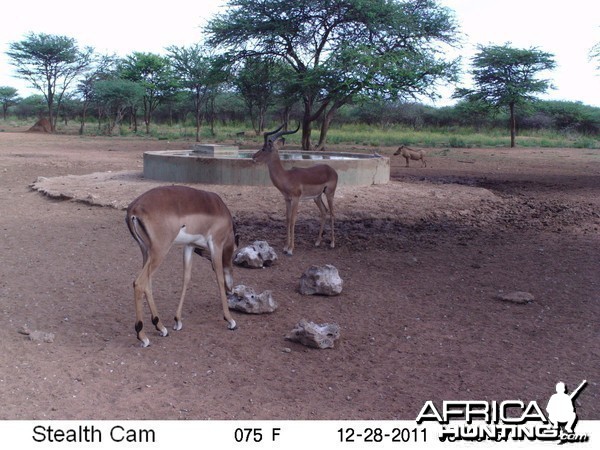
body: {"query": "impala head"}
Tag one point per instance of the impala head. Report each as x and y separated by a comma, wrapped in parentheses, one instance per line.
(271, 143)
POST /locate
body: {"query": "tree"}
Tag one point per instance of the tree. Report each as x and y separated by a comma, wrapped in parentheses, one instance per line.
(339, 49)
(154, 74)
(8, 98)
(195, 69)
(115, 96)
(257, 82)
(50, 63)
(507, 77)
(103, 68)
(32, 106)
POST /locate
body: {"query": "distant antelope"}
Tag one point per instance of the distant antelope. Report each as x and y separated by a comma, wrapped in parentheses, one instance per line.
(409, 153)
(197, 219)
(298, 184)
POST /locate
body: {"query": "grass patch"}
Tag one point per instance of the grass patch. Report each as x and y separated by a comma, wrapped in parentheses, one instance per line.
(351, 135)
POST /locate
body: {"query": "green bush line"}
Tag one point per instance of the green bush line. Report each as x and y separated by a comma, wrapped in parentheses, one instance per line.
(357, 135)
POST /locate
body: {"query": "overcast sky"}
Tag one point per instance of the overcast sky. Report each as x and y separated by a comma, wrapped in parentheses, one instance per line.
(568, 30)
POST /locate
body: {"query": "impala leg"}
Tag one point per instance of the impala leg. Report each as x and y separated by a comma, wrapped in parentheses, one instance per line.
(139, 287)
(323, 211)
(288, 221)
(188, 251)
(293, 213)
(217, 262)
(329, 196)
(142, 286)
(227, 273)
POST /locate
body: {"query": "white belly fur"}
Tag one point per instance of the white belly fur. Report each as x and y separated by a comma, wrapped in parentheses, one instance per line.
(183, 237)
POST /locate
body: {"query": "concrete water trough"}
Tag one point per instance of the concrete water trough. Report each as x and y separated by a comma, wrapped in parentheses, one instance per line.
(219, 164)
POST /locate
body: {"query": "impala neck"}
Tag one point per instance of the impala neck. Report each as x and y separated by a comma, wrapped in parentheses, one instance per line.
(276, 169)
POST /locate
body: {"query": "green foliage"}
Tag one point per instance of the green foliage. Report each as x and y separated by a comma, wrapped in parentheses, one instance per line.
(153, 73)
(340, 49)
(506, 77)
(8, 98)
(50, 63)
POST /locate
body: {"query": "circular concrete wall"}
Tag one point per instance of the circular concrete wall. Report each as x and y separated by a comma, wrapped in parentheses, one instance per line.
(184, 166)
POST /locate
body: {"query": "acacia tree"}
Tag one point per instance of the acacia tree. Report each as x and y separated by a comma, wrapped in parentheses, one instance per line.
(115, 97)
(153, 72)
(196, 70)
(50, 64)
(8, 98)
(258, 82)
(506, 77)
(102, 68)
(338, 49)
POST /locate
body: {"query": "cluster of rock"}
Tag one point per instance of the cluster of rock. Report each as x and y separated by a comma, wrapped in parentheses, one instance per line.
(257, 255)
(244, 299)
(321, 280)
(36, 335)
(316, 280)
(315, 335)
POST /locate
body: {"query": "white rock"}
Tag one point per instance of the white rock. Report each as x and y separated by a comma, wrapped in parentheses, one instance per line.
(315, 335)
(256, 255)
(324, 280)
(516, 297)
(244, 299)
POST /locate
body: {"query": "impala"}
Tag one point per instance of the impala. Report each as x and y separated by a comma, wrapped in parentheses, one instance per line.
(298, 184)
(198, 220)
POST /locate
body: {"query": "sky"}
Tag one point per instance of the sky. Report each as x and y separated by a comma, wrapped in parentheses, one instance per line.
(568, 30)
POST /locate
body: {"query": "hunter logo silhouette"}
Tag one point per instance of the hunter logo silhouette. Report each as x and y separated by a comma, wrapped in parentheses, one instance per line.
(561, 408)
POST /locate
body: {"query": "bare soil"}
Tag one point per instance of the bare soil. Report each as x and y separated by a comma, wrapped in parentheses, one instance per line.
(422, 258)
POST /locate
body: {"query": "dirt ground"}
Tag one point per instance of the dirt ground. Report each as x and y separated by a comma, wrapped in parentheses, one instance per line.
(422, 258)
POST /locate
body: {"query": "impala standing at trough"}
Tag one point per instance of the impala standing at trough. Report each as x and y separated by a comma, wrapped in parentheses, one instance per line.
(197, 219)
(298, 184)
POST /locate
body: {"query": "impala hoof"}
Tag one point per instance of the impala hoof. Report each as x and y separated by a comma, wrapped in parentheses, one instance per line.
(145, 343)
(231, 324)
(332, 245)
(287, 252)
(164, 332)
(178, 325)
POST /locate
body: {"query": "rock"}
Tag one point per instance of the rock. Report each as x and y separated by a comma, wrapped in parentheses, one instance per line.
(516, 297)
(255, 256)
(244, 299)
(315, 335)
(41, 336)
(324, 280)
(24, 330)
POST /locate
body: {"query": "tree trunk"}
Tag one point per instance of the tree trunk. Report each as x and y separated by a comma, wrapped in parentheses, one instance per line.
(513, 125)
(83, 118)
(198, 125)
(198, 111)
(326, 123)
(306, 120)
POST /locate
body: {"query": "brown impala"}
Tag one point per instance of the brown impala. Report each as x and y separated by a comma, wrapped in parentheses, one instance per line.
(298, 184)
(197, 219)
